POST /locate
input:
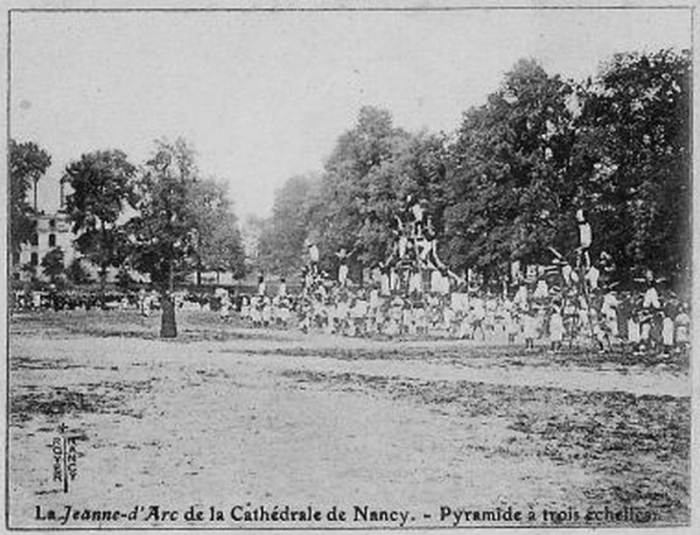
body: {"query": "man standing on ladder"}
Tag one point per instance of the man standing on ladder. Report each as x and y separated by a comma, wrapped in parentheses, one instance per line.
(585, 238)
(583, 263)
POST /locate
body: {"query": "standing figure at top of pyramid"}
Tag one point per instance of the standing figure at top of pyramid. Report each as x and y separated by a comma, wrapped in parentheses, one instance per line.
(343, 269)
(585, 238)
(402, 243)
(416, 216)
(314, 256)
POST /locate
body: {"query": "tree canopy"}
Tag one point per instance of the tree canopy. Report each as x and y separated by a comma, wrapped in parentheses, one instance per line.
(162, 231)
(507, 185)
(282, 239)
(53, 264)
(633, 150)
(103, 185)
(511, 190)
(217, 237)
(28, 163)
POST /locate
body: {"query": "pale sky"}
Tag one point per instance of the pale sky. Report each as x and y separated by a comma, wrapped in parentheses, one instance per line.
(263, 96)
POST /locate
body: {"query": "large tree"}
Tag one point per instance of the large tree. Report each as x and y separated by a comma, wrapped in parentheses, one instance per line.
(634, 150)
(511, 191)
(282, 239)
(163, 234)
(224, 249)
(53, 265)
(76, 273)
(103, 186)
(359, 191)
(28, 163)
(217, 237)
(370, 173)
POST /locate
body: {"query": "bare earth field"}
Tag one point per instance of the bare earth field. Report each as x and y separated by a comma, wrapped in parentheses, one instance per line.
(226, 420)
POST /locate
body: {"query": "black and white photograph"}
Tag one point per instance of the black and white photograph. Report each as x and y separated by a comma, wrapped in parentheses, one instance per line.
(349, 266)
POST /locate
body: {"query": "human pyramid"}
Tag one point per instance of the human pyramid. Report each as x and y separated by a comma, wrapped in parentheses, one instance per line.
(414, 294)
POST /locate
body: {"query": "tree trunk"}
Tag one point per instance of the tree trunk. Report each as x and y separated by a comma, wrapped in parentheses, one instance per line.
(168, 327)
(103, 267)
(199, 260)
(103, 285)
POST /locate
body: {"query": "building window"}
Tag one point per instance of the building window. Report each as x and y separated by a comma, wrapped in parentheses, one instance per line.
(52, 223)
(35, 240)
(52, 240)
(35, 259)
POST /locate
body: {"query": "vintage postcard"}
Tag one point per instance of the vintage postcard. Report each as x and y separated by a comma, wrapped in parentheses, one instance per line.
(349, 266)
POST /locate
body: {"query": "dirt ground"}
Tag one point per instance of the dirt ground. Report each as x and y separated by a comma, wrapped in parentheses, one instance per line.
(227, 420)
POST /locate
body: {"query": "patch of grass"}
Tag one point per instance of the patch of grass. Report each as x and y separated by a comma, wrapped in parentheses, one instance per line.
(110, 397)
(639, 446)
(193, 326)
(493, 356)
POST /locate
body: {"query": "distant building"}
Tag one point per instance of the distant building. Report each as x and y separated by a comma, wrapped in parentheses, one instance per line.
(52, 230)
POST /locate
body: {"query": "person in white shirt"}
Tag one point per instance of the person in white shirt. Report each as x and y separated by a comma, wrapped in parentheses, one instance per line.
(521, 299)
(651, 298)
(541, 290)
(313, 256)
(609, 312)
(556, 328)
(667, 329)
(592, 277)
(225, 307)
(682, 328)
(343, 270)
(585, 235)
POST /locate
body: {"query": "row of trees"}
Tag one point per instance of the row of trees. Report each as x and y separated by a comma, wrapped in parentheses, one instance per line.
(507, 184)
(161, 218)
